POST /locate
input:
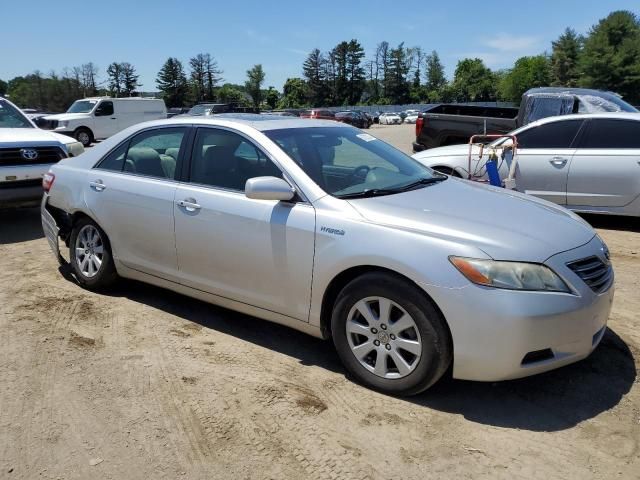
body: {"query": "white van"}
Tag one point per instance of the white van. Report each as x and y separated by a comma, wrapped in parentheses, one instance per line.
(97, 118)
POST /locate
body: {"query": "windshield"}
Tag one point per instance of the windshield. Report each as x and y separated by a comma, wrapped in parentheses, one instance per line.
(198, 110)
(11, 117)
(82, 106)
(346, 163)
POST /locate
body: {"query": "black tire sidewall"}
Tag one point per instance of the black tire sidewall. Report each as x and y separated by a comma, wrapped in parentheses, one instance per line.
(107, 273)
(85, 130)
(436, 344)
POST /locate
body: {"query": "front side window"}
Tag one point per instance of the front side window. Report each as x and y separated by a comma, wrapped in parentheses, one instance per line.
(153, 153)
(11, 117)
(612, 133)
(104, 109)
(347, 163)
(550, 135)
(225, 159)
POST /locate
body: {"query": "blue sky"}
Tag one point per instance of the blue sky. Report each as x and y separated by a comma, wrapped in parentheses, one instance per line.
(52, 35)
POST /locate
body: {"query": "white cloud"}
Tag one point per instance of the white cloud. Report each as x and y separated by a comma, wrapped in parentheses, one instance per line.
(506, 42)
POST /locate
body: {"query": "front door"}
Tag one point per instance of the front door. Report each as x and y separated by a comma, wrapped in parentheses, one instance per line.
(544, 156)
(605, 171)
(105, 119)
(256, 252)
(131, 194)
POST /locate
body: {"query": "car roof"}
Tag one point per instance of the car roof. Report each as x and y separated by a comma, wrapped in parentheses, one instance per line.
(260, 122)
(579, 116)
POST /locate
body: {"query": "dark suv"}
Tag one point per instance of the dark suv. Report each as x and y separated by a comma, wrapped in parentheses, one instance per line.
(357, 119)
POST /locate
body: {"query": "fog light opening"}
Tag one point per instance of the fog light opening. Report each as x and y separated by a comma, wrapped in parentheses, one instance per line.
(537, 356)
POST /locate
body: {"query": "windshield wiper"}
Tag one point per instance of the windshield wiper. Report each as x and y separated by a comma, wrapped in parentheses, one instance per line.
(376, 192)
(422, 181)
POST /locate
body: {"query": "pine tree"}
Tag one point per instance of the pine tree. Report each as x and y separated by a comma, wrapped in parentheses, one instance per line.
(315, 72)
(564, 59)
(253, 85)
(611, 56)
(114, 79)
(436, 80)
(129, 79)
(355, 72)
(172, 83)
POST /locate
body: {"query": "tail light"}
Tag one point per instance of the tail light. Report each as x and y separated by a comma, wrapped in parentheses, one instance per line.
(47, 181)
(419, 124)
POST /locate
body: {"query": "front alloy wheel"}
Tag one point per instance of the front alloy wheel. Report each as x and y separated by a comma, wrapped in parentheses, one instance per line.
(383, 337)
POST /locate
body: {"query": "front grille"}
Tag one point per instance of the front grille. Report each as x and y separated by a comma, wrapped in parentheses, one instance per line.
(13, 156)
(46, 124)
(32, 182)
(593, 271)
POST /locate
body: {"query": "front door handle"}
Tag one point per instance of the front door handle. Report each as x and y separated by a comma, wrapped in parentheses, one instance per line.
(558, 161)
(189, 204)
(98, 186)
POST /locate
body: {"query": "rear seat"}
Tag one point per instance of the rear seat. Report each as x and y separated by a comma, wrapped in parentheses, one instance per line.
(145, 161)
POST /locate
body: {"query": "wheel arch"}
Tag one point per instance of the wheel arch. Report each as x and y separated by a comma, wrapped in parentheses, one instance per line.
(339, 281)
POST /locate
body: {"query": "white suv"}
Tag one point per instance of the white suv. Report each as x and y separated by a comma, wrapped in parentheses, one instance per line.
(26, 153)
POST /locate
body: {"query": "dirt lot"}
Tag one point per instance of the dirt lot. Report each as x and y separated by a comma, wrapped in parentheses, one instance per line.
(142, 383)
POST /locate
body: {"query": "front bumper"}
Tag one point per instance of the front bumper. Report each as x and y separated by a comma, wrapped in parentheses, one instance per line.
(494, 330)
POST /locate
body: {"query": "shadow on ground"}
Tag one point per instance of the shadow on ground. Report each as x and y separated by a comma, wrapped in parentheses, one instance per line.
(548, 402)
(20, 225)
(612, 222)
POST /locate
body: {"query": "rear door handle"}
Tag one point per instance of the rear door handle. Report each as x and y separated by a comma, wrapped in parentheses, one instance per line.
(98, 186)
(558, 161)
(189, 205)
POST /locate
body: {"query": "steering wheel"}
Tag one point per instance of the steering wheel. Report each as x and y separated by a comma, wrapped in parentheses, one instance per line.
(360, 173)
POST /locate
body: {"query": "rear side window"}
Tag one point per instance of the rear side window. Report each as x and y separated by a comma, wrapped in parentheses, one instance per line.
(550, 135)
(610, 133)
(153, 153)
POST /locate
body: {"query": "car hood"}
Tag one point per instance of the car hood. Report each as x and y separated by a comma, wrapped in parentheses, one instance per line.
(506, 225)
(21, 137)
(67, 116)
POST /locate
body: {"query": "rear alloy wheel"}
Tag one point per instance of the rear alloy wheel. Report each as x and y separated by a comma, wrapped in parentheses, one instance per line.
(389, 334)
(90, 255)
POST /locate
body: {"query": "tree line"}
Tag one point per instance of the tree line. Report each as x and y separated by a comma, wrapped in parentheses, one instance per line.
(607, 58)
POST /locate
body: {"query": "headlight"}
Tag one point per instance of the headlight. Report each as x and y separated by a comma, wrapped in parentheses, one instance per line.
(63, 123)
(510, 275)
(74, 149)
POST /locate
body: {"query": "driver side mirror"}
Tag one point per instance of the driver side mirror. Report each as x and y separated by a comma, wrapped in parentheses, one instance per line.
(268, 188)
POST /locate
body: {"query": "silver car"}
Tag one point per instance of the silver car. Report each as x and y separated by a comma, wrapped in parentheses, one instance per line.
(587, 163)
(321, 227)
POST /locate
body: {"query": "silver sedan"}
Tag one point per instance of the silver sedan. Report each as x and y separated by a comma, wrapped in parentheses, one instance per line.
(587, 163)
(321, 227)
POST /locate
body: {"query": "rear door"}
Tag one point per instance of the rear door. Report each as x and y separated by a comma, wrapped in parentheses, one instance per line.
(605, 170)
(544, 156)
(131, 194)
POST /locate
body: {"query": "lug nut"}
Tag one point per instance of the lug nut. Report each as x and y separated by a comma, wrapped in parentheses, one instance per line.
(376, 343)
(374, 330)
(388, 347)
(383, 326)
(392, 336)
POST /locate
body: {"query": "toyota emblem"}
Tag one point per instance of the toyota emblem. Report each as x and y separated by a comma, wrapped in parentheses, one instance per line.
(29, 154)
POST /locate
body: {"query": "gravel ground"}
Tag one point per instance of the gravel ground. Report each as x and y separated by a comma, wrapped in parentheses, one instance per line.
(144, 383)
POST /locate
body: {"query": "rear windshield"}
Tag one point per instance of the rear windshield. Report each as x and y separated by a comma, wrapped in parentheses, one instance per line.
(11, 117)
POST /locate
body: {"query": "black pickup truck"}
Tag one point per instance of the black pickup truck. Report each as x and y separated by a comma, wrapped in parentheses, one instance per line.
(450, 124)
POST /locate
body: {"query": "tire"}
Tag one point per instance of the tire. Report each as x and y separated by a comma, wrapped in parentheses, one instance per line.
(427, 336)
(84, 136)
(94, 268)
